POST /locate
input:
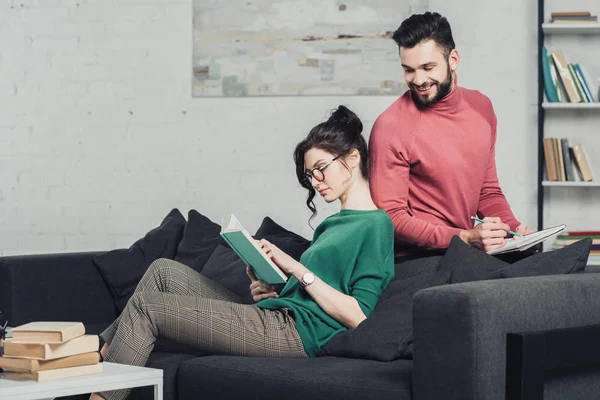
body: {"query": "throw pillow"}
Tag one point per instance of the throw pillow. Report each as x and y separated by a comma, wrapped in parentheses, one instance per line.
(386, 334)
(567, 260)
(227, 269)
(122, 269)
(469, 264)
(289, 242)
(201, 237)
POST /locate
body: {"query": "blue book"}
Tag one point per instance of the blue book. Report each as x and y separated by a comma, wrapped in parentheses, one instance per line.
(586, 88)
(247, 249)
(548, 84)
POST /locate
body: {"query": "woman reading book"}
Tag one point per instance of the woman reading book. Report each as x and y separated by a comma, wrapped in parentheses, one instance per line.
(334, 287)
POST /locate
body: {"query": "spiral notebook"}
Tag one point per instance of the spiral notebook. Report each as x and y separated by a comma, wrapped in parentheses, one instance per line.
(528, 241)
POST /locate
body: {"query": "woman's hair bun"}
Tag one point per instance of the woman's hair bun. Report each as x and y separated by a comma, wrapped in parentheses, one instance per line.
(343, 115)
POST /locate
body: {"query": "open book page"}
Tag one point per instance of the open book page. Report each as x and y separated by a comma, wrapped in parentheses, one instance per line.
(526, 242)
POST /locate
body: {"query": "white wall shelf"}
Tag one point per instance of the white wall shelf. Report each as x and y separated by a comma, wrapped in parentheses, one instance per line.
(585, 29)
(571, 184)
(577, 106)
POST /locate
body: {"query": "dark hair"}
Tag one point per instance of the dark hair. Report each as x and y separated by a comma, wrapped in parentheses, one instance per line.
(338, 135)
(422, 27)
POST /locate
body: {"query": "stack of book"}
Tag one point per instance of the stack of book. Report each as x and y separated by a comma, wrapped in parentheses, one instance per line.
(565, 82)
(573, 17)
(571, 237)
(43, 351)
(565, 162)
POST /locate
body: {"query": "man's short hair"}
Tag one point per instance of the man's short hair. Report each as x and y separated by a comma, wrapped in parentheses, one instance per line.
(422, 27)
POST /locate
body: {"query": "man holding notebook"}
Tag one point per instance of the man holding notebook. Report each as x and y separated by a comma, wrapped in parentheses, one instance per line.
(433, 151)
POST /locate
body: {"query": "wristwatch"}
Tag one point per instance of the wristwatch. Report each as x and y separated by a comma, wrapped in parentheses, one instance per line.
(307, 279)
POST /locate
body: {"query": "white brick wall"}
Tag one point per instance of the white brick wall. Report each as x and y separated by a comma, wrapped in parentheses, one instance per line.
(100, 138)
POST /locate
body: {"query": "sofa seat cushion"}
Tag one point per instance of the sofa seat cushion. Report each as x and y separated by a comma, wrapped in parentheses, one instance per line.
(228, 377)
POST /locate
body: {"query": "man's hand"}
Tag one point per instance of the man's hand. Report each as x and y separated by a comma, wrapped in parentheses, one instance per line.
(523, 230)
(488, 235)
(259, 289)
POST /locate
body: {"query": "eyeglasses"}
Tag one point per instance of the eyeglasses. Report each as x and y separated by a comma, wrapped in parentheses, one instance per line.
(318, 173)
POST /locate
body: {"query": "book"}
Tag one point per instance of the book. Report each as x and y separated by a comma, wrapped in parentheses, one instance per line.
(567, 159)
(52, 374)
(27, 365)
(583, 81)
(549, 158)
(578, 86)
(528, 241)
(563, 71)
(49, 351)
(570, 14)
(48, 332)
(549, 84)
(248, 250)
(582, 164)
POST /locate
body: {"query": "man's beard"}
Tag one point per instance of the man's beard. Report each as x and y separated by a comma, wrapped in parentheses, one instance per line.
(443, 89)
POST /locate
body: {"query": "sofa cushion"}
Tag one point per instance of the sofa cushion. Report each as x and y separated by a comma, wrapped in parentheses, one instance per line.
(386, 334)
(417, 266)
(122, 269)
(469, 264)
(294, 378)
(201, 237)
(227, 269)
(569, 259)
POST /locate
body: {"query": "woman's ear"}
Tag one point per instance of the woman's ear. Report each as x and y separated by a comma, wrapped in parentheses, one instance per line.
(353, 158)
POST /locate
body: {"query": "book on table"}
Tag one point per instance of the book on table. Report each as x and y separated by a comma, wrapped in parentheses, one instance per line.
(9, 364)
(53, 374)
(49, 351)
(47, 332)
(248, 250)
(528, 241)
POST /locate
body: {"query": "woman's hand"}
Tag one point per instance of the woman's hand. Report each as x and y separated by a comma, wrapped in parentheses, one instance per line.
(260, 290)
(281, 259)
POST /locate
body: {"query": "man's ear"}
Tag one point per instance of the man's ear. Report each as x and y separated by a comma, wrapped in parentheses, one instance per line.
(453, 60)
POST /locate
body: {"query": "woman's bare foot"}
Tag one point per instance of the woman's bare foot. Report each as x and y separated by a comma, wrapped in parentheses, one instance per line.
(103, 352)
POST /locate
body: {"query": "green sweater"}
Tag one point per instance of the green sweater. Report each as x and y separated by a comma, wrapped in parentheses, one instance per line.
(352, 251)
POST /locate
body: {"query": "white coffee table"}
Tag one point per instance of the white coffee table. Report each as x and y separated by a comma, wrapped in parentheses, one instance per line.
(114, 376)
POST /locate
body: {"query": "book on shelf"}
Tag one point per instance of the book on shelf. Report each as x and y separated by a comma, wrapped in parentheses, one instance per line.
(248, 250)
(573, 17)
(587, 89)
(562, 68)
(49, 351)
(48, 375)
(48, 332)
(9, 364)
(564, 162)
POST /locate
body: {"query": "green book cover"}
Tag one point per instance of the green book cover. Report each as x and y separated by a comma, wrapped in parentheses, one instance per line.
(577, 84)
(246, 248)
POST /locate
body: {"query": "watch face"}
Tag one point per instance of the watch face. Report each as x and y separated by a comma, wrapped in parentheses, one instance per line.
(308, 278)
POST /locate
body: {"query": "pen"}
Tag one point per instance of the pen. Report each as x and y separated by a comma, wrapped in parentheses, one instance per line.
(509, 231)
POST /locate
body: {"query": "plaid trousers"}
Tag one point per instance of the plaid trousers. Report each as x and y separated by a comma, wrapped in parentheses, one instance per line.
(175, 302)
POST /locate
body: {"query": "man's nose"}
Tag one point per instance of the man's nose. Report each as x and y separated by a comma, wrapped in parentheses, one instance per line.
(420, 78)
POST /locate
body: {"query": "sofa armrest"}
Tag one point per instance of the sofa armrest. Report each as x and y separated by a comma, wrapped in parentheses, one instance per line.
(60, 287)
(460, 330)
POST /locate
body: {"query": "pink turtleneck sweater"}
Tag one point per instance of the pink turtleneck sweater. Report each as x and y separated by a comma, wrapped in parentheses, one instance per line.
(432, 169)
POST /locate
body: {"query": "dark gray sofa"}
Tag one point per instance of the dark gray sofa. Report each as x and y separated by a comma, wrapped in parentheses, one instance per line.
(459, 338)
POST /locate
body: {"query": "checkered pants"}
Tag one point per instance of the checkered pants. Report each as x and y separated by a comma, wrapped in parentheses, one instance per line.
(175, 302)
